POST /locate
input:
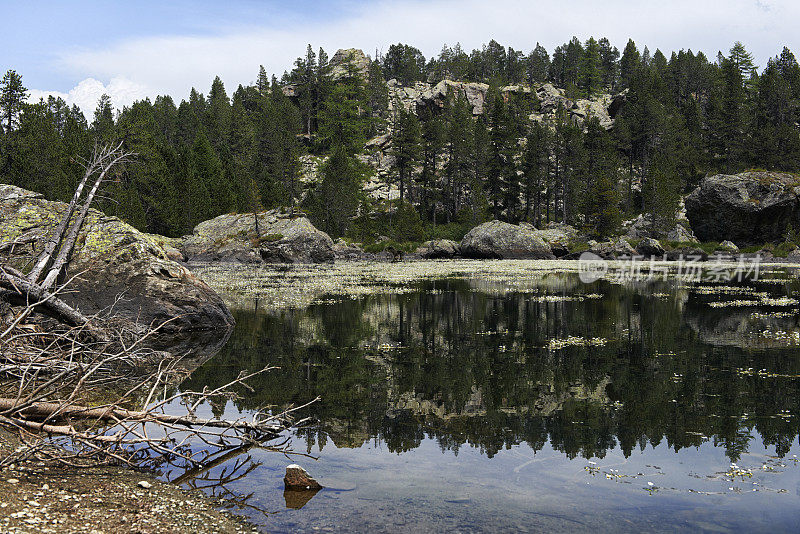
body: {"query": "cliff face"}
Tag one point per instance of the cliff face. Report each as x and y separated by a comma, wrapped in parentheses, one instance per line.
(545, 97)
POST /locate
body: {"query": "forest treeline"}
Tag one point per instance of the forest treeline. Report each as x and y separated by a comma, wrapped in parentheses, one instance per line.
(684, 117)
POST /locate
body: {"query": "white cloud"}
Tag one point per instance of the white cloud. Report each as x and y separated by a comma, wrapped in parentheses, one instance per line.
(123, 92)
(173, 64)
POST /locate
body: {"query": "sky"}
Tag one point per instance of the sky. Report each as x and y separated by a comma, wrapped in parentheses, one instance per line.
(136, 49)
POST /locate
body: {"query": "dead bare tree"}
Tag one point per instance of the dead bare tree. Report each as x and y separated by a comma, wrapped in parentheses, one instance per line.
(38, 285)
(80, 391)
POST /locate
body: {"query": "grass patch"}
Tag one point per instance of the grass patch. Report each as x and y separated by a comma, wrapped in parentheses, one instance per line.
(403, 246)
(783, 250)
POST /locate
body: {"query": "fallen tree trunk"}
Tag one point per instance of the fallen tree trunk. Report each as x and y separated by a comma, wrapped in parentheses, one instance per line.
(53, 410)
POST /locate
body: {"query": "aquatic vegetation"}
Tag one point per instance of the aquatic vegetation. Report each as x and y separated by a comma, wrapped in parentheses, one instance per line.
(575, 341)
(763, 301)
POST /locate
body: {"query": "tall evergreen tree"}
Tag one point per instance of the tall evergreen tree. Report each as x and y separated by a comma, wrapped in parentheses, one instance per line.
(538, 65)
(406, 139)
(591, 73)
(12, 96)
(628, 63)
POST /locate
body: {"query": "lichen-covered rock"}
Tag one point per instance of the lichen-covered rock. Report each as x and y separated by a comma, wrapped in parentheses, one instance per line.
(727, 246)
(502, 240)
(118, 268)
(439, 249)
(748, 209)
(281, 239)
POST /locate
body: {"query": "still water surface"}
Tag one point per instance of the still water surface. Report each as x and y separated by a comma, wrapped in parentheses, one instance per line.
(509, 396)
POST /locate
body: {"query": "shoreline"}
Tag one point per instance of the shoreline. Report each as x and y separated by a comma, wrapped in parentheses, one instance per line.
(39, 498)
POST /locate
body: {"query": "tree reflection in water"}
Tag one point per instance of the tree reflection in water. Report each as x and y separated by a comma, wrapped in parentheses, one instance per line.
(460, 364)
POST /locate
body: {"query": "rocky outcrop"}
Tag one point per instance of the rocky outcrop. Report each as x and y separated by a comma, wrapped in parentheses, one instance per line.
(439, 249)
(550, 99)
(347, 60)
(501, 240)
(343, 250)
(281, 239)
(118, 268)
(558, 236)
(748, 208)
(641, 227)
(614, 249)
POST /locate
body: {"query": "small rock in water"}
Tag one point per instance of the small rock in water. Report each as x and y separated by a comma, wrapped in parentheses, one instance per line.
(12, 481)
(298, 479)
(144, 484)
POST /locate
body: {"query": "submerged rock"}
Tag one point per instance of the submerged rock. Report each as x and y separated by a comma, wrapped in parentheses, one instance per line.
(502, 240)
(298, 479)
(748, 209)
(118, 268)
(281, 238)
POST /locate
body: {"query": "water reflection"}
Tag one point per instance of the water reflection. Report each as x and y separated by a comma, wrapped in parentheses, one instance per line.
(582, 369)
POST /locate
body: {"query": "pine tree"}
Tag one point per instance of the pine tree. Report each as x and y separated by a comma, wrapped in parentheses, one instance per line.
(742, 60)
(242, 147)
(304, 76)
(103, 124)
(458, 169)
(209, 176)
(535, 169)
(262, 82)
(538, 65)
(502, 182)
(377, 98)
(478, 202)
(629, 63)
(609, 57)
(433, 139)
(338, 195)
(406, 139)
(12, 97)
(600, 168)
(591, 76)
(217, 120)
(147, 198)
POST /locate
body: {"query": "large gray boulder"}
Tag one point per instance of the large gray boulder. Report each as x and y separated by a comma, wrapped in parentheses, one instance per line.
(748, 208)
(118, 268)
(439, 249)
(649, 247)
(614, 249)
(502, 240)
(281, 238)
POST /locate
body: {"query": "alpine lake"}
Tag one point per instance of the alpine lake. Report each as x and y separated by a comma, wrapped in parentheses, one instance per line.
(516, 396)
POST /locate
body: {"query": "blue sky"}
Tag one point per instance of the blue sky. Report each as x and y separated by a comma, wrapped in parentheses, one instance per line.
(80, 49)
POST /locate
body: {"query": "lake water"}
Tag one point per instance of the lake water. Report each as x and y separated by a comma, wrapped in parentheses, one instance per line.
(511, 396)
